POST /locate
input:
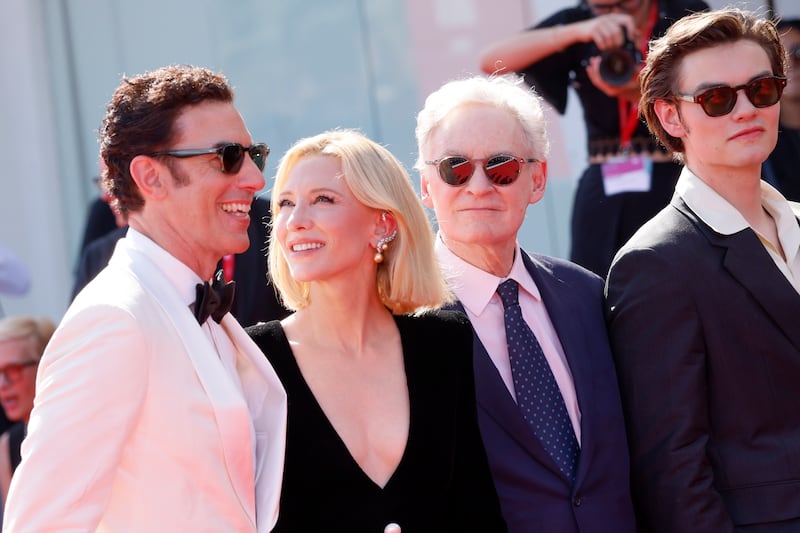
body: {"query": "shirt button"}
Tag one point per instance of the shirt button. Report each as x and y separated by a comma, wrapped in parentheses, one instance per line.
(577, 501)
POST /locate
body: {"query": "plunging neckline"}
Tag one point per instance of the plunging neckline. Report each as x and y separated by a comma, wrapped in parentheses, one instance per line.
(441, 481)
(295, 368)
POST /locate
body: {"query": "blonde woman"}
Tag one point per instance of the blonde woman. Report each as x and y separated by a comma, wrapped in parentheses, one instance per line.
(382, 424)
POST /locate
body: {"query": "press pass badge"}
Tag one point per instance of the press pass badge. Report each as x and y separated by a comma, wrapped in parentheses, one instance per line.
(627, 173)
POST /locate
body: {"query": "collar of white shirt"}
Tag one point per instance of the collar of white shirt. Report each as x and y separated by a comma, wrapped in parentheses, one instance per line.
(474, 287)
(725, 219)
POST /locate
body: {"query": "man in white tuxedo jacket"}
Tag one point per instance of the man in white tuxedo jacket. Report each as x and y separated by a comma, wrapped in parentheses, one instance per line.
(150, 416)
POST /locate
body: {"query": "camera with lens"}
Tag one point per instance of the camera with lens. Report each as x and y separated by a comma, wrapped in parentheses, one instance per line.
(618, 65)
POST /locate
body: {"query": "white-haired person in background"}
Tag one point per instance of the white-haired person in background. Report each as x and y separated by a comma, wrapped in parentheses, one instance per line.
(22, 342)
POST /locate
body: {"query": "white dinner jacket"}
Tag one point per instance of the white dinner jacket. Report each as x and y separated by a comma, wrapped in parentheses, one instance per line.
(137, 426)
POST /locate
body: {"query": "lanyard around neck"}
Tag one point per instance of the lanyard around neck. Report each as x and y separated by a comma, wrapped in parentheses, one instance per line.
(629, 111)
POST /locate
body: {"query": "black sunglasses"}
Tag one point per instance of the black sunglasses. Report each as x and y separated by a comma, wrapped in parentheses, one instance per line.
(719, 101)
(501, 169)
(231, 155)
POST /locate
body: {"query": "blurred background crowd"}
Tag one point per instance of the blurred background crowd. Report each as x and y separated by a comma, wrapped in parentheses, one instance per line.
(297, 68)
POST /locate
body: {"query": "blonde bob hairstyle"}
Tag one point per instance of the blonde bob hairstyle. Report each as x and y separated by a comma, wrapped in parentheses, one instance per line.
(37, 330)
(409, 279)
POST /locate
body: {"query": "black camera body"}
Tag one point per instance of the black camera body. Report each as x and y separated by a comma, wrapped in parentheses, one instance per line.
(618, 65)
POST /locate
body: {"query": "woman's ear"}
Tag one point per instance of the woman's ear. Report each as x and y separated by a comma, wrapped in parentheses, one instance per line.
(387, 224)
(149, 176)
(385, 232)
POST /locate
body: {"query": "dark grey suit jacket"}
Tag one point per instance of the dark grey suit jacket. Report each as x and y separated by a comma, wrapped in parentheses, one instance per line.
(705, 330)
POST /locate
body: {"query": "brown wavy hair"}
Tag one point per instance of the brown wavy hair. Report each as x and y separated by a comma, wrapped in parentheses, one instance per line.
(698, 31)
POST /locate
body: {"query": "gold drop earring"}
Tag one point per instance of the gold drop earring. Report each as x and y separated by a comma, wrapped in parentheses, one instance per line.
(382, 246)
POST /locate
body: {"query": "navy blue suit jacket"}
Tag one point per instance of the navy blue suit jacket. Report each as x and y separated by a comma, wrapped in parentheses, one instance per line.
(534, 495)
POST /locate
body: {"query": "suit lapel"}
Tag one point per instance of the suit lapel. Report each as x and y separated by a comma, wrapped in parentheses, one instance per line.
(495, 402)
(748, 262)
(266, 399)
(230, 411)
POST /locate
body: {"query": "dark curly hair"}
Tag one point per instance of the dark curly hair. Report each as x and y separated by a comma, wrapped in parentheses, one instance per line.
(140, 119)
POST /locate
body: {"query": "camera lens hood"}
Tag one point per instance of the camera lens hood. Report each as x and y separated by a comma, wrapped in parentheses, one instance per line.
(618, 65)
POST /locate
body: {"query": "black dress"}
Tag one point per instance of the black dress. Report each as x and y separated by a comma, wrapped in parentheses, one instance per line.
(442, 482)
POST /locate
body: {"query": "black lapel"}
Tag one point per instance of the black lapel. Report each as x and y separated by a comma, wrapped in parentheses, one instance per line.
(751, 266)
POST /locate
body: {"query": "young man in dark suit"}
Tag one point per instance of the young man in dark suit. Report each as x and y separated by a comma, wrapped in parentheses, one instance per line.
(703, 302)
(482, 151)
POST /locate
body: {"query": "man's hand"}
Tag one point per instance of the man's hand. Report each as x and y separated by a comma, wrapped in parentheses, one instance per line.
(606, 31)
(629, 91)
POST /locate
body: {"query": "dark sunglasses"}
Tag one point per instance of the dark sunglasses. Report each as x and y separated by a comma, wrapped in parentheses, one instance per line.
(501, 169)
(230, 155)
(719, 101)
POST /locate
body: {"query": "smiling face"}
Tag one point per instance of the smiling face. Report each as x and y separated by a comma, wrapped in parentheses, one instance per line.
(479, 216)
(738, 141)
(194, 210)
(16, 395)
(324, 232)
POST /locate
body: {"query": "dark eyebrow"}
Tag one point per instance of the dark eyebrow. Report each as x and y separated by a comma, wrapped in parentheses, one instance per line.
(712, 85)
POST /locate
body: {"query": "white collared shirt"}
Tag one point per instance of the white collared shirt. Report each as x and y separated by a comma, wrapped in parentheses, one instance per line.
(476, 289)
(725, 219)
(185, 280)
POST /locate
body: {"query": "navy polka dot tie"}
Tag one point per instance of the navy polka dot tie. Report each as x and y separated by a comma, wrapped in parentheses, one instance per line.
(538, 395)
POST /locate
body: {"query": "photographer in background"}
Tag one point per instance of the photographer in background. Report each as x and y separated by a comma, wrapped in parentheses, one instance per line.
(597, 48)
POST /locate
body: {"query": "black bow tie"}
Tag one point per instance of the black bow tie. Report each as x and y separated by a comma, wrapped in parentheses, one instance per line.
(213, 299)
